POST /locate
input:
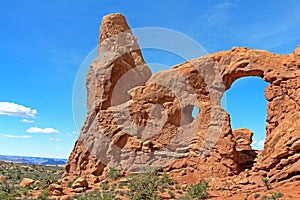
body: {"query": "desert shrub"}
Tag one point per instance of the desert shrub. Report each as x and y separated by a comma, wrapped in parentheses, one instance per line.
(266, 183)
(23, 191)
(177, 187)
(276, 195)
(8, 191)
(18, 174)
(144, 185)
(8, 196)
(171, 194)
(256, 195)
(122, 185)
(96, 194)
(166, 179)
(15, 172)
(44, 194)
(108, 195)
(113, 174)
(72, 181)
(105, 186)
(5, 186)
(198, 191)
(267, 198)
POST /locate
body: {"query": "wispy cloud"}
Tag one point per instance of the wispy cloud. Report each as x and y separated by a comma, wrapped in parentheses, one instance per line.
(41, 130)
(73, 133)
(13, 109)
(272, 38)
(16, 136)
(281, 29)
(54, 139)
(27, 121)
(258, 144)
(218, 14)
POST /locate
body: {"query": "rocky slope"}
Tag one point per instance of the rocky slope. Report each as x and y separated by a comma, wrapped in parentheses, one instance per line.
(137, 119)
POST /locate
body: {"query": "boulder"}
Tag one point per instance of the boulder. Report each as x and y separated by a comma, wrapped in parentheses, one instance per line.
(2, 179)
(26, 182)
(55, 190)
(80, 183)
(243, 139)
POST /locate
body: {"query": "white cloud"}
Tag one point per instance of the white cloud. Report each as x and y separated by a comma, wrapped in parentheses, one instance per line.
(15, 136)
(41, 130)
(218, 14)
(13, 109)
(27, 121)
(258, 144)
(54, 139)
(72, 133)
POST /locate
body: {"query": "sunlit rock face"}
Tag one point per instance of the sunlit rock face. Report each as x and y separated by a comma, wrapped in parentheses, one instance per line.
(137, 119)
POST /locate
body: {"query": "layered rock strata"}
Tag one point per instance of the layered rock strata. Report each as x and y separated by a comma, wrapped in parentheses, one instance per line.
(137, 119)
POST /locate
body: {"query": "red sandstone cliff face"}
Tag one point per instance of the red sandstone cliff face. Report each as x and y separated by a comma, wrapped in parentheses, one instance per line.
(136, 119)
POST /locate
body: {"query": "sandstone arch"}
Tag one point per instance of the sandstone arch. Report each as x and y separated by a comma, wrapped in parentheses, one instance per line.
(211, 145)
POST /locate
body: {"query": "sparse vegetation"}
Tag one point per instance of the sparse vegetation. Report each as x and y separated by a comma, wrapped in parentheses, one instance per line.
(149, 184)
(14, 173)
(71, 182)
(44, 194)
(256, 195)
(198, 191)
(171, 194)
(105, 186)
(113, 174)
(144, 185)
(276, 195)
(266, 183)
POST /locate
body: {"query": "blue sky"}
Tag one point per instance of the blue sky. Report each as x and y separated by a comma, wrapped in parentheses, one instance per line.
(43, 43)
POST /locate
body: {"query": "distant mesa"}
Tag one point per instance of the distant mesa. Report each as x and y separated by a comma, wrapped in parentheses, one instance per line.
(33, 160)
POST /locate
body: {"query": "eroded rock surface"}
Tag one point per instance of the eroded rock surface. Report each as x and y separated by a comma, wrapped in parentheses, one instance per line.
(243, 139)
(136, 119)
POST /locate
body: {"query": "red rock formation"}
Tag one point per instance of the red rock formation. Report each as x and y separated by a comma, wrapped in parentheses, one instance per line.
(135, 119)
(243, 139)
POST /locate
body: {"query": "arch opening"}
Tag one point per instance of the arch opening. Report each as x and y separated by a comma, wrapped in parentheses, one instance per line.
(247, 106)
(189, 113)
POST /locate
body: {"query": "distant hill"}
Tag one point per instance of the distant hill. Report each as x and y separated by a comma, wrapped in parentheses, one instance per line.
(33, 160)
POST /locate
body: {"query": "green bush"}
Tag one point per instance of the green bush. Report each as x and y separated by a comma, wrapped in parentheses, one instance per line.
(105, 186)
(122, 185)
(144, 185)
(171, 194)
(256, 196)
(72, 181)
(113, 174)
(276, 195)
(15, 172)
(267, 198)
(267, 183)
(8, 196)
(198, 191)
(87, 195)
(96, 194)
(5, 186)
(166, 179)
(44, 194)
